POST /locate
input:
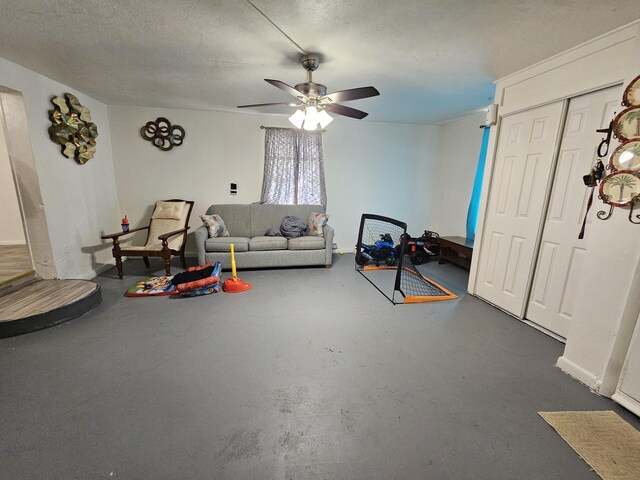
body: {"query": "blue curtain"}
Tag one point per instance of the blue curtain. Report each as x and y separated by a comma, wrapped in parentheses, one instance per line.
(474, 204)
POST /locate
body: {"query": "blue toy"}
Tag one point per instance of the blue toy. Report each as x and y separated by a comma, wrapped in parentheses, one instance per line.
(381, 251)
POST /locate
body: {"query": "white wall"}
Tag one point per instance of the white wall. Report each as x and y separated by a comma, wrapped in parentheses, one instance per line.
(458, 151)
(370, 167)
(11, 231)
(80, 201)
(379, 168)
(607, 298)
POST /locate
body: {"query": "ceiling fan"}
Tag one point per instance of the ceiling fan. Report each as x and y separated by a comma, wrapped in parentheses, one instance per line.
(313, 102)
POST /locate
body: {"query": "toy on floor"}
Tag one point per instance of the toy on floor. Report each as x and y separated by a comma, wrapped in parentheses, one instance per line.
(206, 280)
(376, 239)
(421, 248)
(234, 284)
(380, 251)
(152, 286)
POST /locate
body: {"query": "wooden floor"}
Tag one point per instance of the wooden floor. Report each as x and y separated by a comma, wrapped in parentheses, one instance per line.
(15, 263)
(43, 296)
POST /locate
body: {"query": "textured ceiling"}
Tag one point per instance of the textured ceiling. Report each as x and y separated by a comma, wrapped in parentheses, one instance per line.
(431, 60)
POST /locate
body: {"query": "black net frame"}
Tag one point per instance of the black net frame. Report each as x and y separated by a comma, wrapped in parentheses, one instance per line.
(372, 227)
(373, 253)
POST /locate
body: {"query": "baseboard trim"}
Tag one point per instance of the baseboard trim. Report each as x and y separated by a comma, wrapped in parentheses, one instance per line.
(91, 274)
(12, 242)
(546, 331)
(627, 402)
(579, 373)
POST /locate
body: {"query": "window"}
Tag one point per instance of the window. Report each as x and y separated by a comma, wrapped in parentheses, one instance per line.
(293, 167)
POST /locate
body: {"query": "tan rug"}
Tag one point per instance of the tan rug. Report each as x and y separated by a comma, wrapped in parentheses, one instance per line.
(602, 439)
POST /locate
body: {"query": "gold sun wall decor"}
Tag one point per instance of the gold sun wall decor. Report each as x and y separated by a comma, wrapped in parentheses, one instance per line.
(72, 128)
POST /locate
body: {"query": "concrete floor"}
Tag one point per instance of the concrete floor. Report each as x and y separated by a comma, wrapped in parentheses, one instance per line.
(312, 374)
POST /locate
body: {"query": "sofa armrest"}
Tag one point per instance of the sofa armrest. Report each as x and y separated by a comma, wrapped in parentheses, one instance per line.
(327, 231)
(200, 235)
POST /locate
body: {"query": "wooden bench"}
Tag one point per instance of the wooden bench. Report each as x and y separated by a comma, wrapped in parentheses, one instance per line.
(456, 250)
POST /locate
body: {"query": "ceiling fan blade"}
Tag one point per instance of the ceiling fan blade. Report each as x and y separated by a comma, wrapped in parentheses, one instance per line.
(264, 105)
(287, 88)
(346, 111)
(351, 94)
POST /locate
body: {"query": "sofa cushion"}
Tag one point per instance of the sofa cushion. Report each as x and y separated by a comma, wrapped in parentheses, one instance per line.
(221, 244)
(237, 218)
(306, 243)
(266, 215)
(268, 243)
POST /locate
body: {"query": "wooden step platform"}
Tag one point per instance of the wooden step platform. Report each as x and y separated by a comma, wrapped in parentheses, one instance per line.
(15, 263)
(45, 303)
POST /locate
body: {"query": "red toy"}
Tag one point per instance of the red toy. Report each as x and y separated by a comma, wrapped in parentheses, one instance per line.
(203, 283)
(421, 248)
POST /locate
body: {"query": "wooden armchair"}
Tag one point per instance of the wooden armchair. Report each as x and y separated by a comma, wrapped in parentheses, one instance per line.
(166, 235)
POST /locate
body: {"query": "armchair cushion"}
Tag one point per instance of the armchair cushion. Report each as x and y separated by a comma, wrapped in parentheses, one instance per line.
(164, 225)
(168, 210)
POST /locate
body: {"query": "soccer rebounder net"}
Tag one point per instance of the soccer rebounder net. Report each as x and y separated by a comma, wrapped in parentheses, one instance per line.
(381, 259)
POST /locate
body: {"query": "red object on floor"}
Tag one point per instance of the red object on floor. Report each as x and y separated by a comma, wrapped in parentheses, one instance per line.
(234, 285)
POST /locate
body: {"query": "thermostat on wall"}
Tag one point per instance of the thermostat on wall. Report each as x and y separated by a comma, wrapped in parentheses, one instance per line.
(234, 189)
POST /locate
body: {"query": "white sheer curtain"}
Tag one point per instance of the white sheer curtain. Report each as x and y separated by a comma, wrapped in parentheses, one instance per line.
(293, 167)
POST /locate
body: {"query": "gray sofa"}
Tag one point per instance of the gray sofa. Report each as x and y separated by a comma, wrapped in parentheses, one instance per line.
(247, 225)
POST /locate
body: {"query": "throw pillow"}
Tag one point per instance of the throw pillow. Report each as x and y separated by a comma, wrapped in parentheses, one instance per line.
(216, 225)
(272, 232)
(168, 210)
(316, 222)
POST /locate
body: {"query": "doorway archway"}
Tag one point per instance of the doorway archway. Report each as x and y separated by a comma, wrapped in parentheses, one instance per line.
(13, 120)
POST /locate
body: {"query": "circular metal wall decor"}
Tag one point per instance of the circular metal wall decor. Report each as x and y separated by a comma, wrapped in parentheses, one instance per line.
(72, 128)
(162, 134)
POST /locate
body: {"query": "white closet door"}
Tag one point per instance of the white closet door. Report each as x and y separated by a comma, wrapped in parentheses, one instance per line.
(519, 187)
(561, 254)
(628, 391)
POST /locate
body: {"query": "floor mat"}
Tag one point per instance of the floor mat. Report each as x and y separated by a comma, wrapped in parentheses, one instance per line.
(602, 439)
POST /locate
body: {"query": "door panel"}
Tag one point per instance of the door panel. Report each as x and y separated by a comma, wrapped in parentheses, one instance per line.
(557, 272)
(628, 391)
(520, 182)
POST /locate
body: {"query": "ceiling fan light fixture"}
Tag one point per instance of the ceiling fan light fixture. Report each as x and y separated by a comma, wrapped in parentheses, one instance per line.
(312, 98)
(310, 118)
(324, 118)
(297, 118)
